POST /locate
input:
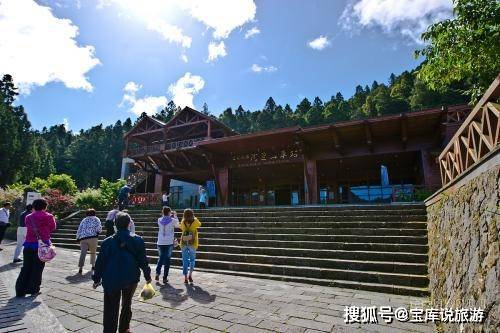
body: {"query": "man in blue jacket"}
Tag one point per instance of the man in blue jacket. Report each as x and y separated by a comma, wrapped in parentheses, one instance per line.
(118, 266)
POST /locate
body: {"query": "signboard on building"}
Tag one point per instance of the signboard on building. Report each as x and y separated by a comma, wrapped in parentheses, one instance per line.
(259, 157)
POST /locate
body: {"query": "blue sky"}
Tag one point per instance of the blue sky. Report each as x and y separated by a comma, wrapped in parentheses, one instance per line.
(97, 61)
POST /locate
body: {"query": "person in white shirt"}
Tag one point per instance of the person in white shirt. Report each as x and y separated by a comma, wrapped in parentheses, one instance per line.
(164, 199)
(4, 219)
(110, 221)
(21, 232)
(166, 239)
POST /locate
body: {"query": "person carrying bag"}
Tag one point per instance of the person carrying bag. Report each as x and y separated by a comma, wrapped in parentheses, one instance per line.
(38, 249)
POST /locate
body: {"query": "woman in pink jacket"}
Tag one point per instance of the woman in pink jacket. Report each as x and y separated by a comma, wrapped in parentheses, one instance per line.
(42, 223)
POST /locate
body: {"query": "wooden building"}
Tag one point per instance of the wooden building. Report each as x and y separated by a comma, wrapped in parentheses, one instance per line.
(335, 163)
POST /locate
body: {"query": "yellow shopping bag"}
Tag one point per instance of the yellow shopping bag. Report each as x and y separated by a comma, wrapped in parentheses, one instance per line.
(147, 292)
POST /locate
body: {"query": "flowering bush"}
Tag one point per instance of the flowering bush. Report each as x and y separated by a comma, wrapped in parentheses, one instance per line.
(59, 204)
(90, 198)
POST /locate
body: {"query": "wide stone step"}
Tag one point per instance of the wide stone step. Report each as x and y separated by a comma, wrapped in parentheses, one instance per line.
(400, 279)
(379, 247)
(152, 230)
(287, 213)
(297, 237)
(293, 218)
(379, 287)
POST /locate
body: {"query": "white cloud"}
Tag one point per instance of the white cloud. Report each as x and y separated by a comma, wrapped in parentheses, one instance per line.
(185, 88)
(407, 17)
(223, 16)
(184, 58)
(66, 124)
(170, 33)
(148, 104)
(258, 69)
(252, 32)
(319, 43)
(216, 50)
(37, 48)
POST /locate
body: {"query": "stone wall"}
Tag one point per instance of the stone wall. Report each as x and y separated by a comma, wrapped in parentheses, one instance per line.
(464, 249)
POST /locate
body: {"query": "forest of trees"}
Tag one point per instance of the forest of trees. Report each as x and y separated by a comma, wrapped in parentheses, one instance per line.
(27, 153)
(451, 73)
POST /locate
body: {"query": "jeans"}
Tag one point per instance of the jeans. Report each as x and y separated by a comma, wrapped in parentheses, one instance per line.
(21, 236)
(165, 253)
(89, 244)
(188, 259)
(30, 277)
(112, 307)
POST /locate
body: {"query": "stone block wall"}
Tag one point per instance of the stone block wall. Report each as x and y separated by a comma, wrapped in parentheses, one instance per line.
(463, 232)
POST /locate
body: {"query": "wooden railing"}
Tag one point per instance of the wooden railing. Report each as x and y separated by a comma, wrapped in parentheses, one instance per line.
(477, 137)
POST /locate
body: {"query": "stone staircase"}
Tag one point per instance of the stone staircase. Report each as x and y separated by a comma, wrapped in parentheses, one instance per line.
(370, 247)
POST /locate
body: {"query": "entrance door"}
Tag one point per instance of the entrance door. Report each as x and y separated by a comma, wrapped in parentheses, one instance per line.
(283, 196)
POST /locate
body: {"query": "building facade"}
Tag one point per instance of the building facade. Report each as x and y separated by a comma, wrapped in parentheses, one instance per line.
(381, 159)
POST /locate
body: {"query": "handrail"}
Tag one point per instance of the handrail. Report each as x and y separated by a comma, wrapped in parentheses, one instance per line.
(475, 138)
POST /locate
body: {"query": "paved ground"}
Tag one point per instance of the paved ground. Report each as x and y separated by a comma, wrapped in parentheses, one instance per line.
(214, 303)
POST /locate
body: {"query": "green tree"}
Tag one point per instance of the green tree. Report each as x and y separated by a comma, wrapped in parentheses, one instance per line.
(464, 48)
(315, 114)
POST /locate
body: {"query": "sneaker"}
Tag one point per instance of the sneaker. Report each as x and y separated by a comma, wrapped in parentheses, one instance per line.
(190, 279)
(157, 278)
(165, 279)
(185, 280)
(80, 271)
(15, 261)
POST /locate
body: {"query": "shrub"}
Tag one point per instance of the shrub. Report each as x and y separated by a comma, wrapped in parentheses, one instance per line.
(109, 190)
(38, 184)
(10, 194)
(59, 204)
(90, 198)
(62, 182)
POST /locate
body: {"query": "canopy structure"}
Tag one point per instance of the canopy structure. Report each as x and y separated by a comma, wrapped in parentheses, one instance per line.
(294, 165)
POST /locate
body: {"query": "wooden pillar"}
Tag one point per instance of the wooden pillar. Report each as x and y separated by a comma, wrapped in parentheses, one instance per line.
(222, 180)
(209, 130)
(430, 170)
(310, 182)
(159, 181)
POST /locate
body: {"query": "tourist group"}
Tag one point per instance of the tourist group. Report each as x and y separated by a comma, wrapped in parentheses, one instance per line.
(121, 257)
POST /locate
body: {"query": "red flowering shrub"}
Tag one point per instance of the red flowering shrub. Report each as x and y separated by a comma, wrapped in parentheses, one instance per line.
(59, 204)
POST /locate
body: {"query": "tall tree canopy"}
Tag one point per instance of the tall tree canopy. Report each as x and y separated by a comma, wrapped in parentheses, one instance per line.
(464, 49)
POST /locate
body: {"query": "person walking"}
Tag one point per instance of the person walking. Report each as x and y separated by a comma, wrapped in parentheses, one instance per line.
(203, 197)
(4, 219)
(110, 221)
(166, 227)
(164, 199)
(87, 235)
(189, 243)
(118, 266)
(21, 233)
(123, 195)
(39, 225)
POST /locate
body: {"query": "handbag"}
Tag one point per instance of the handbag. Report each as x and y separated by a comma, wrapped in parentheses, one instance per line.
(45, 252)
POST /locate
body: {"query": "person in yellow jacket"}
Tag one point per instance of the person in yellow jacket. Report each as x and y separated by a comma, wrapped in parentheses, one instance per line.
(189, 243)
